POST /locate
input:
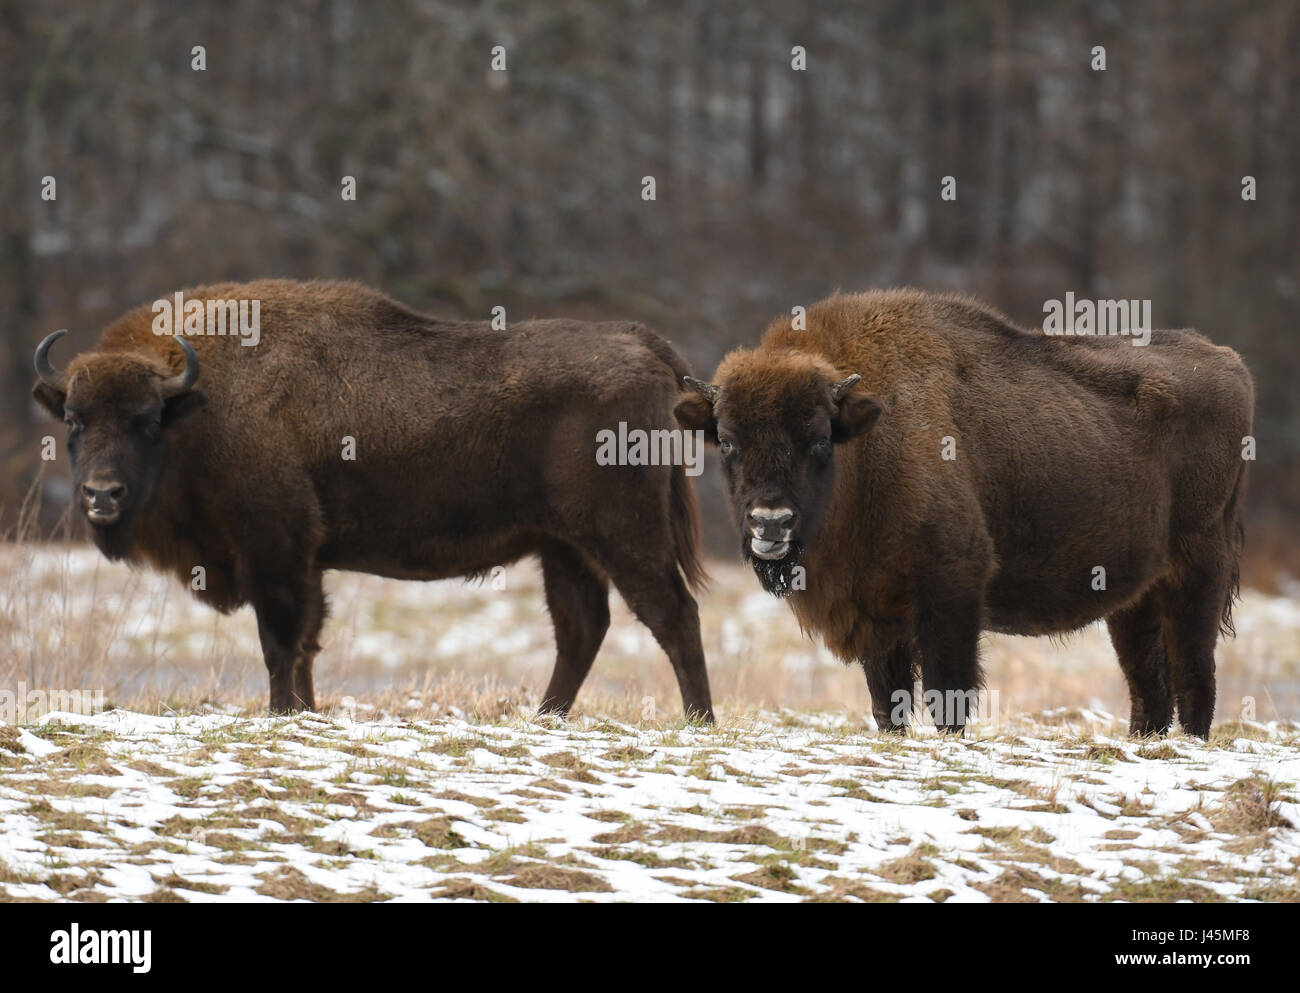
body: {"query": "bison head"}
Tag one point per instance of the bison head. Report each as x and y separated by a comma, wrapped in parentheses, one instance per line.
(118, 407)
(776, 420)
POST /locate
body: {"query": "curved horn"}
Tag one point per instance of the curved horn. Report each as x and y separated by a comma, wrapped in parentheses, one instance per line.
(840, 389)
(182, 381)
(707, 390)
(50, 375)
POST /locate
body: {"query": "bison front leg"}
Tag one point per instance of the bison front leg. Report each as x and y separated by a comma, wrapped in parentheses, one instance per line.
(948, 631)
(891, 679)
(289, 615)
(304, 683)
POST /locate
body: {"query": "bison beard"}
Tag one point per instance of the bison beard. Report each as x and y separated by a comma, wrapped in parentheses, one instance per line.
(115, 540)
(776, 575)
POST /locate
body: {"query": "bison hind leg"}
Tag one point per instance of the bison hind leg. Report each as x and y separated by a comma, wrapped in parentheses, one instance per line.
(578, 599)
(1193, 610)
(1136, 634)
(657, 594)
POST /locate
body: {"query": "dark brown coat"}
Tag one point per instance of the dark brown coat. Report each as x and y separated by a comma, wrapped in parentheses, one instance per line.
(1072, 455)
(473, 447)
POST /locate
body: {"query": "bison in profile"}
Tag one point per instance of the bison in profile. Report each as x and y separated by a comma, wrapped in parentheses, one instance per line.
(358, 434)
(913, 469)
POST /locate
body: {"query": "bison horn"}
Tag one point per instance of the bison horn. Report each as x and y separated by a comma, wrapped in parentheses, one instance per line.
(838, 390)
(50, 375)
(707, 390)
(182, 381)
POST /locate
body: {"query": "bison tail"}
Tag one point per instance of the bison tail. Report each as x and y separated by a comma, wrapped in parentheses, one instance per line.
(685, 516)
(1237, 536)
(1234, 587)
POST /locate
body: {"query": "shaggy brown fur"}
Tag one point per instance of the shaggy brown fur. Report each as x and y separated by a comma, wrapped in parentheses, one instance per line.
(474, 447)
(1070, 454)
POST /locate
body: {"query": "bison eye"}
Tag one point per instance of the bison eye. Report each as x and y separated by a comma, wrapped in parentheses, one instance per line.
(726, 447)
(73, 422)
(146, 424)
(822, 449)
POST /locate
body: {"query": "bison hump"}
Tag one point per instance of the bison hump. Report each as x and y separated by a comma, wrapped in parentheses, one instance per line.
(1115, 376)
(1155, 394)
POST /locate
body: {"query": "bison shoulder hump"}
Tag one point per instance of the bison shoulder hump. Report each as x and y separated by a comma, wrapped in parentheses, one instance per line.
(1155, 395)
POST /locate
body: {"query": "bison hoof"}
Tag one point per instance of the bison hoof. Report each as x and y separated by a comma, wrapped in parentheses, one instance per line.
(1139, 727)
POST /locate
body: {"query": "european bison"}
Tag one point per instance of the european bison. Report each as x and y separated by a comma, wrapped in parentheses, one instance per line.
(914, 468)
(358, 434)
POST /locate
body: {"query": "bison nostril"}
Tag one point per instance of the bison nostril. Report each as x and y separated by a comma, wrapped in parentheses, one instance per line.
(771, 525)
(112, 493)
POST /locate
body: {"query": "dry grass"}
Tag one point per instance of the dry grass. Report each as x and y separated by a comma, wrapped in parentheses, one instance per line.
(911, 868)
(71, 620)
(555, 877)
(288, 883)
(1249, 810)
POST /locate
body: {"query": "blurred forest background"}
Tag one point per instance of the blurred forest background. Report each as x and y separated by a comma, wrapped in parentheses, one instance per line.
(774, 186)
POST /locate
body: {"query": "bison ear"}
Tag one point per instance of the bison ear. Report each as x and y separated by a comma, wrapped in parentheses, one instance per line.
(50, 398)
(695, 413)
(179, 407)
(854, 415)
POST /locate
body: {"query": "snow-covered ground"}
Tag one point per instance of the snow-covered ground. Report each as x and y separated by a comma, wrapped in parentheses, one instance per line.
(425, 776)
(777, 806)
